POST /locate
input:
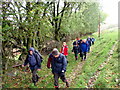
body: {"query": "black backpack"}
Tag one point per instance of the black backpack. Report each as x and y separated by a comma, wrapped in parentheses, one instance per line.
(39, 55)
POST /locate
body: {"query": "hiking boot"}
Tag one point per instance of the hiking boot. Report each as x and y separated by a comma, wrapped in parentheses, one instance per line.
(38, 77)
(67, 84)
(82, 59)
(56, 87)
(76, 58)
(34, 84)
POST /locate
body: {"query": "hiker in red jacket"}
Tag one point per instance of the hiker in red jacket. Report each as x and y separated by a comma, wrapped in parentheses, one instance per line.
(64, 49)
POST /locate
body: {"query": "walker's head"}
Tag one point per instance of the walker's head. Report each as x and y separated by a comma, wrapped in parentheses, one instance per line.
(84, 40)
(64, 43)
(55, 52)
(77, 38)
(31, 50)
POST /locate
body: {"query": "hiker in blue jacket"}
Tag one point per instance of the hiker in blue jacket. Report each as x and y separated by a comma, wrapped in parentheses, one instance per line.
(58, 63)
(89, 40)
(34, 63)
(84, 48)
(76, 50)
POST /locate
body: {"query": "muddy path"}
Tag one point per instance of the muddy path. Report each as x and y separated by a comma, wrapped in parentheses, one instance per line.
(76, 71)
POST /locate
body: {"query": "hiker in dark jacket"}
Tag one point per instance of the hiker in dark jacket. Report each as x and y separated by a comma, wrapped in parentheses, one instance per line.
(89, 40)
(34, 63)
(84, 48)
(93, 40)
(58, 63)
(80, 51)
(76, 51)
(78, 41)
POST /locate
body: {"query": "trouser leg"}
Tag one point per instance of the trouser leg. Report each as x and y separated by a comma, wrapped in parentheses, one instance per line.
(89, 49)
(85, 55)
(76, 55)
(63, 78)
(34, 76)
(82, 54)
(56, 77)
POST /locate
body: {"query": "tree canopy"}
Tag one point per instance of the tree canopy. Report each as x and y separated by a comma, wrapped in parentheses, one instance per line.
(26, 24)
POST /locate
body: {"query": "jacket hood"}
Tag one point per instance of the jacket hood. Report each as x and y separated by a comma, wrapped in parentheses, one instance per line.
(31, 49)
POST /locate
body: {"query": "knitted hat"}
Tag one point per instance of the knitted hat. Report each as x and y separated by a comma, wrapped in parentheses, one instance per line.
(55, 51)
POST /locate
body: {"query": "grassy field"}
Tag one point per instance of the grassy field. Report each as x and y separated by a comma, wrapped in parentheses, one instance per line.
(108, 77)
(98, 55)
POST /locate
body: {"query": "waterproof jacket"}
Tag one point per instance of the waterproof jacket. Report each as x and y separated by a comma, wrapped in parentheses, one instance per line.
(33, 60)
(76, 49)
(77, 42)
(84, 47)
(64, 50)
(57, 64)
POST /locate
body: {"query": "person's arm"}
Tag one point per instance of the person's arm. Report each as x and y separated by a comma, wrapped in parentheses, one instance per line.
(49, 62)
(67, 50)
(79, 42)
(90, 39)
(74, 43)
(64, 64)
(73, 49)
(61, 50)
(87, 43)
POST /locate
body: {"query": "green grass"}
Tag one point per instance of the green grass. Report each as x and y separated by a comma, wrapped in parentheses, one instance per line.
(98, 55)
(108, 78)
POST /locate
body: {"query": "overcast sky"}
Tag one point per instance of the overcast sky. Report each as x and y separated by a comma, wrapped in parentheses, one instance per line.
(111, 8)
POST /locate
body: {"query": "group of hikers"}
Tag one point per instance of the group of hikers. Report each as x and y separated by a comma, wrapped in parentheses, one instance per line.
(82, 47)
(57, 61)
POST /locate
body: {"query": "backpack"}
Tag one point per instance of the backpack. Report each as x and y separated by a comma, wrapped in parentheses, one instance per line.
(39, 55)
